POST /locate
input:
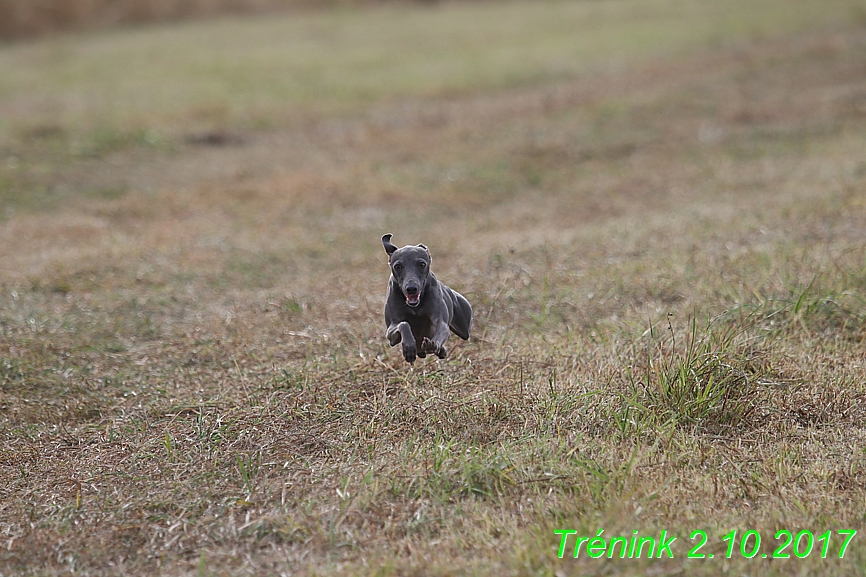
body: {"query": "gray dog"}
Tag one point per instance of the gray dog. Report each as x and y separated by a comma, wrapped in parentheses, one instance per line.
(418, 307)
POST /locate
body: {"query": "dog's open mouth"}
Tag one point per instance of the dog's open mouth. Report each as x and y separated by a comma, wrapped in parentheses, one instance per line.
(413, 300)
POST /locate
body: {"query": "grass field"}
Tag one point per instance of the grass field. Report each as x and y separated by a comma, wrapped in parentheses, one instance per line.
(657, 209)
(29, 18)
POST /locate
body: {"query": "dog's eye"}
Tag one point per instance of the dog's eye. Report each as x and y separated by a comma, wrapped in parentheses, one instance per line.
(398, 267)
(422, 264)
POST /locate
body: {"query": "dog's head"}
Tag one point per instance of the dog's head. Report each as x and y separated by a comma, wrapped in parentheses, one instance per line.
(410, 267)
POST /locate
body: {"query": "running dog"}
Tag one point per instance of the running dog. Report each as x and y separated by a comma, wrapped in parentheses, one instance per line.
(419, 310)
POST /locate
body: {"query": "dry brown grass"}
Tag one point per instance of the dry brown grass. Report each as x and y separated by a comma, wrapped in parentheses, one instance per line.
(193, 377)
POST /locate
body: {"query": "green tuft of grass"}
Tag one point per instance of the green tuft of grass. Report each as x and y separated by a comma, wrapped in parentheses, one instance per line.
(704, 380)
(814, 310)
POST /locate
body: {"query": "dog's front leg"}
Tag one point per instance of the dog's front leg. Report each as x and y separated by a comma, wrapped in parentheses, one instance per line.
(403, 332)
(435, 346)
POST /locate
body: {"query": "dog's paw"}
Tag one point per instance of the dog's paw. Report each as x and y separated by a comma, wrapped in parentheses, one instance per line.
(426, 345)
(430, 347)
(410, 351)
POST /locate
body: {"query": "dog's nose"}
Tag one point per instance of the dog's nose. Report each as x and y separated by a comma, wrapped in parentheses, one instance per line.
(411, 290)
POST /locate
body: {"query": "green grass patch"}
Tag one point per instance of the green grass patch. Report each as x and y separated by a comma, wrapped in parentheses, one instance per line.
(706, 380)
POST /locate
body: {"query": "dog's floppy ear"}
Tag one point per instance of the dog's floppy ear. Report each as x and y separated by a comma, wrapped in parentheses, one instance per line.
(389, 247)
(425, 248)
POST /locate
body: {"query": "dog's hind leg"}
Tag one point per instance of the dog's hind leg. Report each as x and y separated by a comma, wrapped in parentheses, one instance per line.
(461, 323)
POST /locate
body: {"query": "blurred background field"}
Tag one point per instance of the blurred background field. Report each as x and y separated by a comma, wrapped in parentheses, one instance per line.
(72, 97)
(656, 207)
(25, 18)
